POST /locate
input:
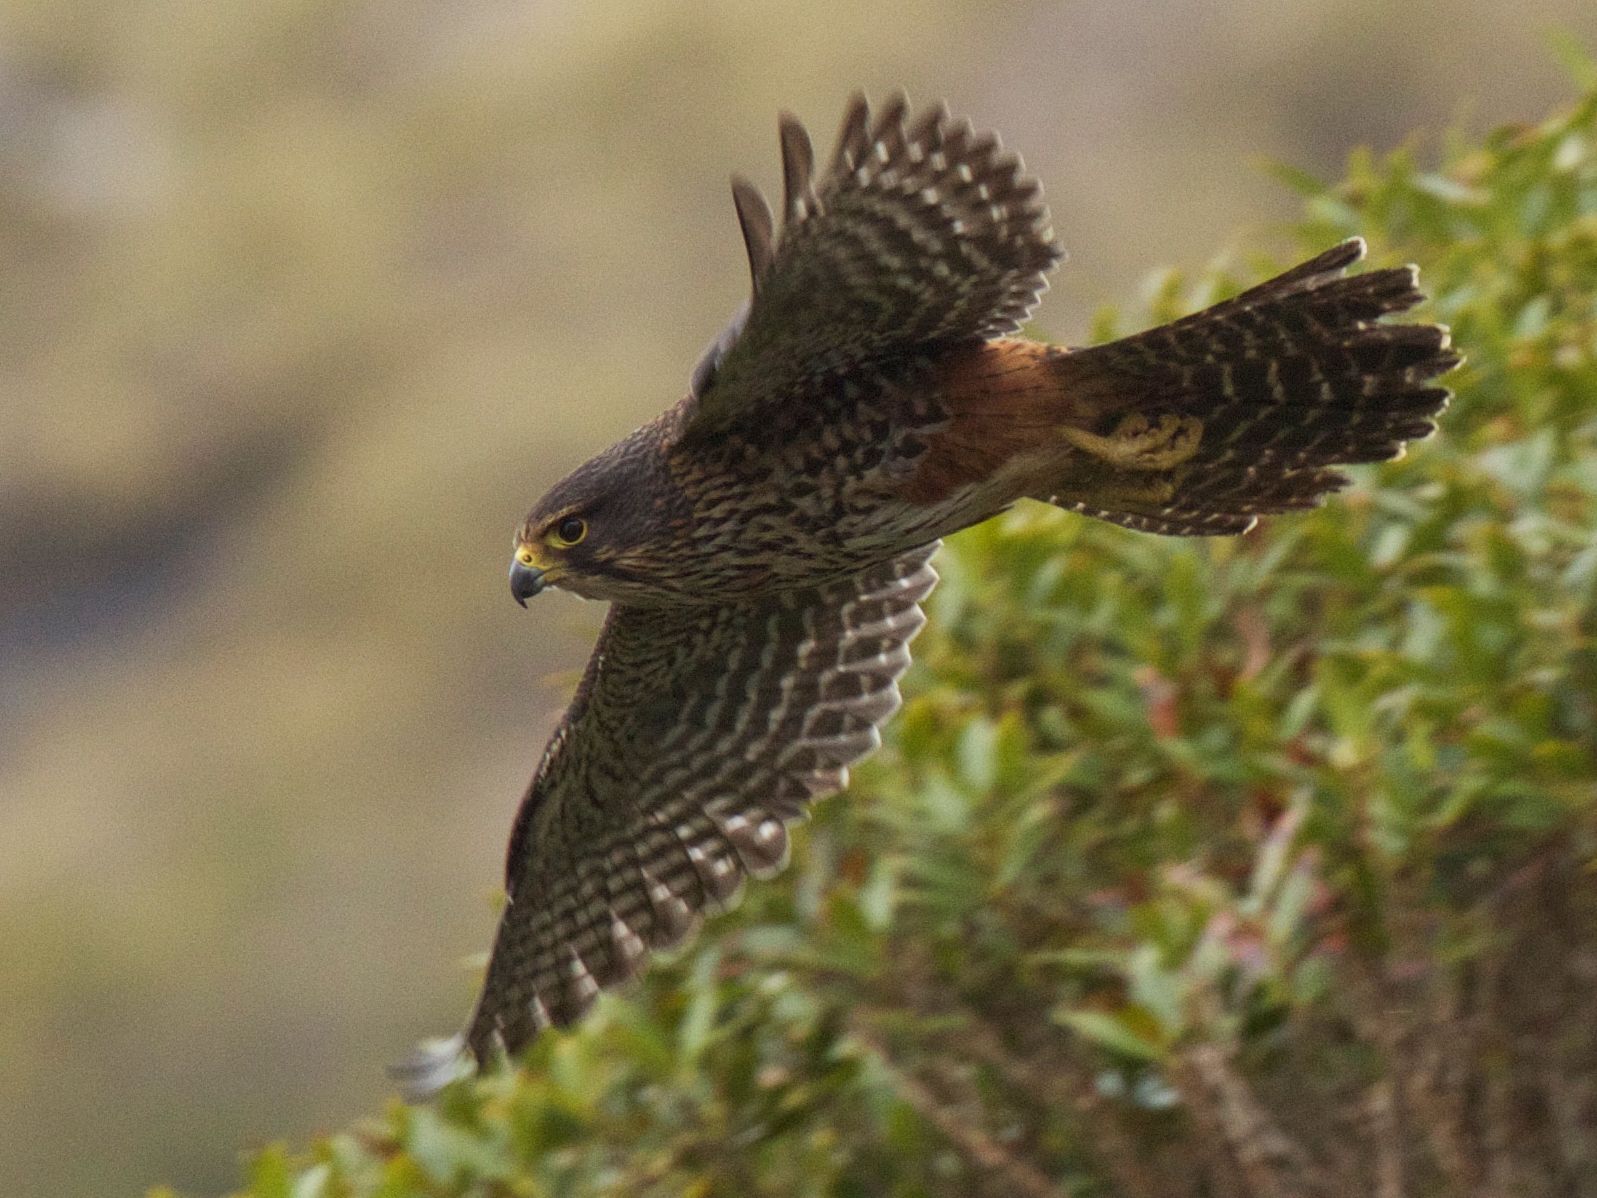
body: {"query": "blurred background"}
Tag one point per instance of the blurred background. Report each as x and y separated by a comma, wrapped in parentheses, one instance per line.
(304, 304)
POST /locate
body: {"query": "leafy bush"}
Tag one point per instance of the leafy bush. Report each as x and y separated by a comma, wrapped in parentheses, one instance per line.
(1254, 867)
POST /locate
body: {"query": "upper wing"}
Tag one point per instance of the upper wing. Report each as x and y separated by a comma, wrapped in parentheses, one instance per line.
(918, 235)
(697, 735)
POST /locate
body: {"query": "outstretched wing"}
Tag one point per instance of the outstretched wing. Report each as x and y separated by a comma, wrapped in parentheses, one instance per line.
(697, 735)
(921, 234)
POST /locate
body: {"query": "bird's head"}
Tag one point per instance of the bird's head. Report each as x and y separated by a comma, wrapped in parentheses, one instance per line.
(603, 532)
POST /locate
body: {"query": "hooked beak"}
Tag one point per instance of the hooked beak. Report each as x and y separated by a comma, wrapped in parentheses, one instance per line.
(525, 581)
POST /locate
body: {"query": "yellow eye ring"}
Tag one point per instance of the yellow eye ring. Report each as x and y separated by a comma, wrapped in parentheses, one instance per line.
(569, 532)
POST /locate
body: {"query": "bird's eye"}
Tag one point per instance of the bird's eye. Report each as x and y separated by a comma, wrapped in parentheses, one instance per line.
(571, 530)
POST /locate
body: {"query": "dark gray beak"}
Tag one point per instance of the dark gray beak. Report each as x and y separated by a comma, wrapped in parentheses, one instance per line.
(525, 581)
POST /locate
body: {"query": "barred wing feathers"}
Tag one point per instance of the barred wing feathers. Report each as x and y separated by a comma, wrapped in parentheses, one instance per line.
(923, 233)
(697, 735)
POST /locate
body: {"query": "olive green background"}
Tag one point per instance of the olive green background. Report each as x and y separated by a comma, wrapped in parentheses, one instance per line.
(303, 304)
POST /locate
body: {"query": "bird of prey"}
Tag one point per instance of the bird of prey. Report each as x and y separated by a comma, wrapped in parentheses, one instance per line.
(766, 543)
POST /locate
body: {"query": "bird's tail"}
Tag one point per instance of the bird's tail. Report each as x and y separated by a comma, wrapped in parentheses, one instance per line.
(1200, 426)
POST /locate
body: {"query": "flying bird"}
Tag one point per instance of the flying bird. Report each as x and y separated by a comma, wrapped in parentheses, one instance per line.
(766, 543)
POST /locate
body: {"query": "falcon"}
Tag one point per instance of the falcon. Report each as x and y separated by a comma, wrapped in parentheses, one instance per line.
(765, 545)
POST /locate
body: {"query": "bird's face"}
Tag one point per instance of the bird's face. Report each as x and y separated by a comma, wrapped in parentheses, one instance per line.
(606, 531)
(580, 537)
(549, 551)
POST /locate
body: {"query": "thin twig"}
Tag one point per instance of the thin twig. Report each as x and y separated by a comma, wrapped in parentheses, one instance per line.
(975, 1144)
(1054, 1082)
(1387, 1136)
(1273, 1164)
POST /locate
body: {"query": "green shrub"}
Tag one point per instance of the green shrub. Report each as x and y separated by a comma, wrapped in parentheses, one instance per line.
(1254, 867)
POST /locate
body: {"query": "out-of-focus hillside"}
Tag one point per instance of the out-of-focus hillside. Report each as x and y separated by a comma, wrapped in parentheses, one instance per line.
(303, 305)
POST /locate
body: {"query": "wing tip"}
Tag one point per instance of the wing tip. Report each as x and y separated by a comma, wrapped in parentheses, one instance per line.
(851, 135)
(434, 1065)
(754, 218)
(798, 170)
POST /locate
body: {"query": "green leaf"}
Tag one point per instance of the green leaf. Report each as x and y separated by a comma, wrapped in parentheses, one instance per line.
(1120, 1032)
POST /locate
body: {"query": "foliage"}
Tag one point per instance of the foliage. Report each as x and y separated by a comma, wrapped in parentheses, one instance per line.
(1248, 867)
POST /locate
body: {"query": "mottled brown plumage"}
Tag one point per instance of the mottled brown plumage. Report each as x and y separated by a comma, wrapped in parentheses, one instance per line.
(766, 542)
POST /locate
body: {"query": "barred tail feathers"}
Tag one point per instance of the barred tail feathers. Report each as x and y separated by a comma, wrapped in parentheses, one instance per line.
(1200, 426)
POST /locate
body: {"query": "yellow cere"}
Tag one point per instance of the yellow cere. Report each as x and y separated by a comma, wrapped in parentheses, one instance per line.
(525, 557)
